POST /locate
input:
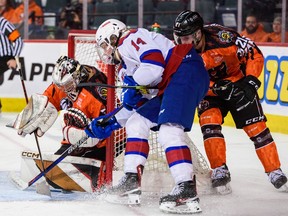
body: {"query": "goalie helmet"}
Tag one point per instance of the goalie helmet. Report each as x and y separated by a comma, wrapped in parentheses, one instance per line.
(67, 74)
(107, 37)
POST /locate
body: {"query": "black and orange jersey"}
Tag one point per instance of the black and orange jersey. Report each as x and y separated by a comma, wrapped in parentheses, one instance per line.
(91, 100)
(229, 56)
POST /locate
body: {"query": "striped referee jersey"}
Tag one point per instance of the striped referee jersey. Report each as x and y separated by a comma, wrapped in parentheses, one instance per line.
(10, 40)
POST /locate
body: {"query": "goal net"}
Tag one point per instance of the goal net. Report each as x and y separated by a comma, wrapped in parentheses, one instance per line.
(82, 47)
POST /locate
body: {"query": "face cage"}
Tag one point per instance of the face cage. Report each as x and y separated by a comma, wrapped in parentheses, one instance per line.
(69, 86)
(105, 52)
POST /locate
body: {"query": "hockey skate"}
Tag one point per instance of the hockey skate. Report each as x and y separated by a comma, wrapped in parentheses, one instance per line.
(220, 180)
(128, 191)
(278, 179)
(182, 200)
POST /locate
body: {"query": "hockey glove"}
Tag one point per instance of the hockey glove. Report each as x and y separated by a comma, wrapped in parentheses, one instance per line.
(245, 91)
(130, 96)
(75, 117)
(223, 88)
(101, 131)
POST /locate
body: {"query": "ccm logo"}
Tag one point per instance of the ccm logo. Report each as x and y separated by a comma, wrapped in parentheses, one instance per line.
(30, 154)
(256, 119)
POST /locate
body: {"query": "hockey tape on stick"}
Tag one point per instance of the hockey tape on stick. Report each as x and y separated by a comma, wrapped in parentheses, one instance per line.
(114, 86)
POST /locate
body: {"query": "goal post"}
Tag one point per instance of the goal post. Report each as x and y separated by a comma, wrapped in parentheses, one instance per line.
(82, 47)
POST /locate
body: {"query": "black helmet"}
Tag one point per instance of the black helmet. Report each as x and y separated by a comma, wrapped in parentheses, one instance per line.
(187, 22)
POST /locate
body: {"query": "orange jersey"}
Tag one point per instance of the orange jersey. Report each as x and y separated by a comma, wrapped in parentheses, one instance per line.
(33, 8)
(90, 100)
(9, 14)
(258, 36)
(229, 56)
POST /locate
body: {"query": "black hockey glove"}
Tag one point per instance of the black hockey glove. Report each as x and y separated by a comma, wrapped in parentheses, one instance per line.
(223, 88)
(245, 91)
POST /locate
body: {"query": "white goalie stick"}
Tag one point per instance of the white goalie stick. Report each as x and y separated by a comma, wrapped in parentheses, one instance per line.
(22, 185)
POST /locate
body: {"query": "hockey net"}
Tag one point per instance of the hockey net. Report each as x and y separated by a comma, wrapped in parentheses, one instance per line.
(81, 46)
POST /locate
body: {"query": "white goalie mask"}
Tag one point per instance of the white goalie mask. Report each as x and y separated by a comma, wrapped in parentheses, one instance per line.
(107, 37)
(67, 74)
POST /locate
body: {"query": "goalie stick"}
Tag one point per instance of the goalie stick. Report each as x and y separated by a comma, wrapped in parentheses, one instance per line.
(44, 188)
(22, 185)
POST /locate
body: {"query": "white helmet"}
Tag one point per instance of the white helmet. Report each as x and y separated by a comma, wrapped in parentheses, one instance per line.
(67, 74)
(107, 36)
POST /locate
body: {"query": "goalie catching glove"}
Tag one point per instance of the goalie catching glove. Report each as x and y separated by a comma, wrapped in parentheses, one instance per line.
(74, 122)
(38, 116)
(100, 130)
(243, 92)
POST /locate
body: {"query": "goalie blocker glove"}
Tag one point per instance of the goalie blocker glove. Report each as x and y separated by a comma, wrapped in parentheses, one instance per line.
(38, 116)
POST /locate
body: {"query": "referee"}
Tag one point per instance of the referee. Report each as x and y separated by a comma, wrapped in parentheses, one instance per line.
(11, 45)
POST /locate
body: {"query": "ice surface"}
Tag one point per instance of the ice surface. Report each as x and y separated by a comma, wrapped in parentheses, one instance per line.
(252, 194)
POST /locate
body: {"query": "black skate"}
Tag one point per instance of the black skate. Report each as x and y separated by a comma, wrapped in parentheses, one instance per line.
(182, 200)
(278, 179)
(128, 191)
(220, 180)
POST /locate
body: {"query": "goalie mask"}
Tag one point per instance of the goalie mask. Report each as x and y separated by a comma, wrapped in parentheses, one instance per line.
(188, 23)
(67, 74)
(107, 37)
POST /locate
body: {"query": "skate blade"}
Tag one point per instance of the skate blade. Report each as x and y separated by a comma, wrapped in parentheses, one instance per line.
(190, 207)
(223, 190)
(130, 199)
(284, 188)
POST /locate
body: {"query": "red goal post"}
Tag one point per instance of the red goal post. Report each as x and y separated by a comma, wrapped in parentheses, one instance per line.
(81, 46)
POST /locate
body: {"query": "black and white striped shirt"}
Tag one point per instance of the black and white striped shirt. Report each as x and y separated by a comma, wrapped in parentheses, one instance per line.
(11, 42)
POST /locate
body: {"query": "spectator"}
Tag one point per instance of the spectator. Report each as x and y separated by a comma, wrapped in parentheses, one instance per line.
(275, 36)
(7, 10)
(253, 29)
(35, 13)
(71, 16)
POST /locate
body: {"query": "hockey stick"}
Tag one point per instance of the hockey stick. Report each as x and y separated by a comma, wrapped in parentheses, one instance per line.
(114, 86)
(22, 185)
(45, 188)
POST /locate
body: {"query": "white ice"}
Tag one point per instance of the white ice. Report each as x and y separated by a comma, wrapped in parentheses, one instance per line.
(252, 194)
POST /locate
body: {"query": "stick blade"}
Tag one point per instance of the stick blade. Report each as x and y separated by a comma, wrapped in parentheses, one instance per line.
(43, 188)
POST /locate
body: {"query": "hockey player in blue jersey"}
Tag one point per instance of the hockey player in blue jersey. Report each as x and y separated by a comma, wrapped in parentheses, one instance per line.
(178, 73)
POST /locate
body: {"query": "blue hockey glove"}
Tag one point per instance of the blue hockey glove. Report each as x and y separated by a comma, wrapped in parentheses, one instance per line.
(101, 131)
(130, 96)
